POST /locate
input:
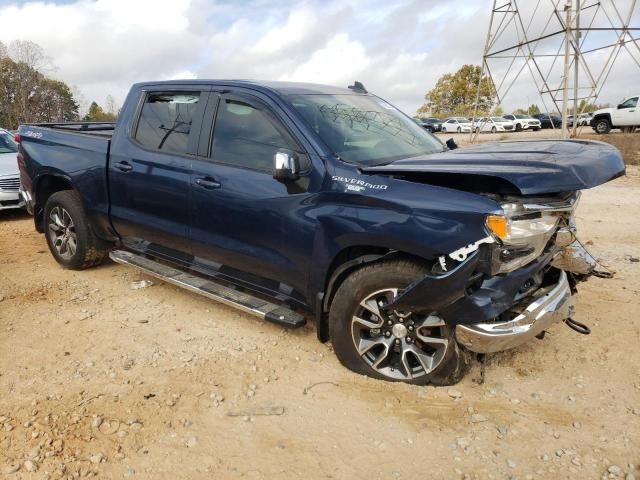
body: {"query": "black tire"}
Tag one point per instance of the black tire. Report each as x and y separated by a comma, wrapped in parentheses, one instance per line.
(453, 362)
(459, 130)
(518, 127)
(64, 214)
(443, 130)
(602, 126)
(494, 129)
(535, 129)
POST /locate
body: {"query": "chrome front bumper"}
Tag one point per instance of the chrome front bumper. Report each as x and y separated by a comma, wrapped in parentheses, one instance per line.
(554, 305)
(9, 199)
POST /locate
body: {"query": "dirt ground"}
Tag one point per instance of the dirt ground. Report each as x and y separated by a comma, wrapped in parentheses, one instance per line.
(99, 379)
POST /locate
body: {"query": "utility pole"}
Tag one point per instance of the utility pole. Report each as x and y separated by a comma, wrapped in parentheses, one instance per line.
(576, 67)
(565, 87)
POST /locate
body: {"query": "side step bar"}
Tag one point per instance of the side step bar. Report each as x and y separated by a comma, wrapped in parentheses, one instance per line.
(247, 303)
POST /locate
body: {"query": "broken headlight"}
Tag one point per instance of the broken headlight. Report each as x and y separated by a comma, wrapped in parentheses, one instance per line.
(521, 234)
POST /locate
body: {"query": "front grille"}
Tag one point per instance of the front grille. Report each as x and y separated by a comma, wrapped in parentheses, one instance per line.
(508, 127)
(10, 184)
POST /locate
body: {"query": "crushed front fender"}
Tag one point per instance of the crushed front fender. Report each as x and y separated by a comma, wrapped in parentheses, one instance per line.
(455, 300)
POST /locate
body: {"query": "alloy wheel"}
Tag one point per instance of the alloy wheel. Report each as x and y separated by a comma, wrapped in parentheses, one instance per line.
(62, 232)
(398, 345)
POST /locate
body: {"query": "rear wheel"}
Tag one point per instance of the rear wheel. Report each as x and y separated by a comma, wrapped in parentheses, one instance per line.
(459, 130)
(493, 129)
(602, 125)
(371, 339)
(69, 237)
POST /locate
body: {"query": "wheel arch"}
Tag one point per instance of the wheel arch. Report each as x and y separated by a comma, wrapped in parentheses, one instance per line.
(601, 116)
(343, 264)
(45, 186)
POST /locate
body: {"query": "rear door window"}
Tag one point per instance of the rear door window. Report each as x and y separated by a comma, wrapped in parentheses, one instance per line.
(166, 121)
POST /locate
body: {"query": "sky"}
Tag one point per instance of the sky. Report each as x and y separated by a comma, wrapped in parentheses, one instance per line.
(397, 48)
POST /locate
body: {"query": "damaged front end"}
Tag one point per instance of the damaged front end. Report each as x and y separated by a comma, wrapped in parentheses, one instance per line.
(510, 286)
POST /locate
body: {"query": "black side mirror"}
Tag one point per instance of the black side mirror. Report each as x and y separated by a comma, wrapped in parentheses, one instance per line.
(619, 106)
(285, 165)
(451, 144)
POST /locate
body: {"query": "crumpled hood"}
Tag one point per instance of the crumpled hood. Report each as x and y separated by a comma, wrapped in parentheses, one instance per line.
(8, 164)
(530, 167)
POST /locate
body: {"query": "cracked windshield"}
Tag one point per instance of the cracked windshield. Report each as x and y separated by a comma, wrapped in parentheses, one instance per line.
(364, 130)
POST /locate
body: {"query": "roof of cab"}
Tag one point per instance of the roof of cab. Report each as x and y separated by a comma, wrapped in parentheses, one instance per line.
(282, 88)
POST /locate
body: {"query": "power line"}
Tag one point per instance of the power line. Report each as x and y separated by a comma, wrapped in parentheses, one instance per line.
(553, 40)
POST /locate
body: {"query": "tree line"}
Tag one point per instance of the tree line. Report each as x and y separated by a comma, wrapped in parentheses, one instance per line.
(29, 95)
(455, 94)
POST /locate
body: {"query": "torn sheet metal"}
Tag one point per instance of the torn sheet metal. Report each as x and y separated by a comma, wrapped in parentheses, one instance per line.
(576, 259)
(461, 254)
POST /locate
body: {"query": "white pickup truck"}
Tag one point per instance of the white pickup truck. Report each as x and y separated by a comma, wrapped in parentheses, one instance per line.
(625, 116)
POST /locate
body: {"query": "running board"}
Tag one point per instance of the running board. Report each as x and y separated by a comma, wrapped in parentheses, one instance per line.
(281, 315)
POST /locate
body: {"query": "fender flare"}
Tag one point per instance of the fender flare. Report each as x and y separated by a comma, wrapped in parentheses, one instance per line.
(600, 116)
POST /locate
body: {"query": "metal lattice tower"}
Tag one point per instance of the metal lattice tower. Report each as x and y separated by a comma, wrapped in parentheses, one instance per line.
(568, 49)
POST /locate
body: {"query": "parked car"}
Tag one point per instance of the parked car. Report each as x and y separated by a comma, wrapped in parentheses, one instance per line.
(626, 116)
(456, 124)
(523, 122)
(295, 200)
(548, 121)
(430, 124)
(9, 176)
(493, 125)
(583, 119)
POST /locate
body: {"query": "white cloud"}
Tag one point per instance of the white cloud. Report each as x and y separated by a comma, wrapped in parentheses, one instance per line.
(397, 49)
(338, 62)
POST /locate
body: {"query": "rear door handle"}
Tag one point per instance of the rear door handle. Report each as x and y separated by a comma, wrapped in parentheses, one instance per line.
(123, 166)
(208, 183)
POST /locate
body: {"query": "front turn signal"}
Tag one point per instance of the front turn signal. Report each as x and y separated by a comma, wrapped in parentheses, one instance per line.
(497, 224)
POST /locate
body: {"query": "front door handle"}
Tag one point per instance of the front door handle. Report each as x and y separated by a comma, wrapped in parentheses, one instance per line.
(123, 166)
(208, 183)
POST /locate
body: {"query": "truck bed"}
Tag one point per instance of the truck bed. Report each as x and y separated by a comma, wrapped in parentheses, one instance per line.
(101, 129)
(75, 153)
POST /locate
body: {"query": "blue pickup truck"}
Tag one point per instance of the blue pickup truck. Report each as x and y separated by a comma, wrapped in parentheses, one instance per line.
(296, 201)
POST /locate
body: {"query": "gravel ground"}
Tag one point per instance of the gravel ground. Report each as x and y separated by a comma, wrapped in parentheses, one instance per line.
(100, 379)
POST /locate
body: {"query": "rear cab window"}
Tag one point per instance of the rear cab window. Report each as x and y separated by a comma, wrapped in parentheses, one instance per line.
(167, 119)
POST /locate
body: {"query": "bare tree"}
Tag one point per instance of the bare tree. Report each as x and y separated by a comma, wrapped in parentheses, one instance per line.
(111, 106)
(81, 100)
(31, 54)
(3, 50)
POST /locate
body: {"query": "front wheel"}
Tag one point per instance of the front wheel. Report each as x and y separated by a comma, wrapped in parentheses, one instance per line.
(71, 241)
(392, 345)
(459, 130)
(602, 126)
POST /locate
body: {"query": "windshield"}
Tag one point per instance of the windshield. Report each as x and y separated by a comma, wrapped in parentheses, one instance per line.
(497, 119)
(522, 116)
(7, 145)
(364, 130)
